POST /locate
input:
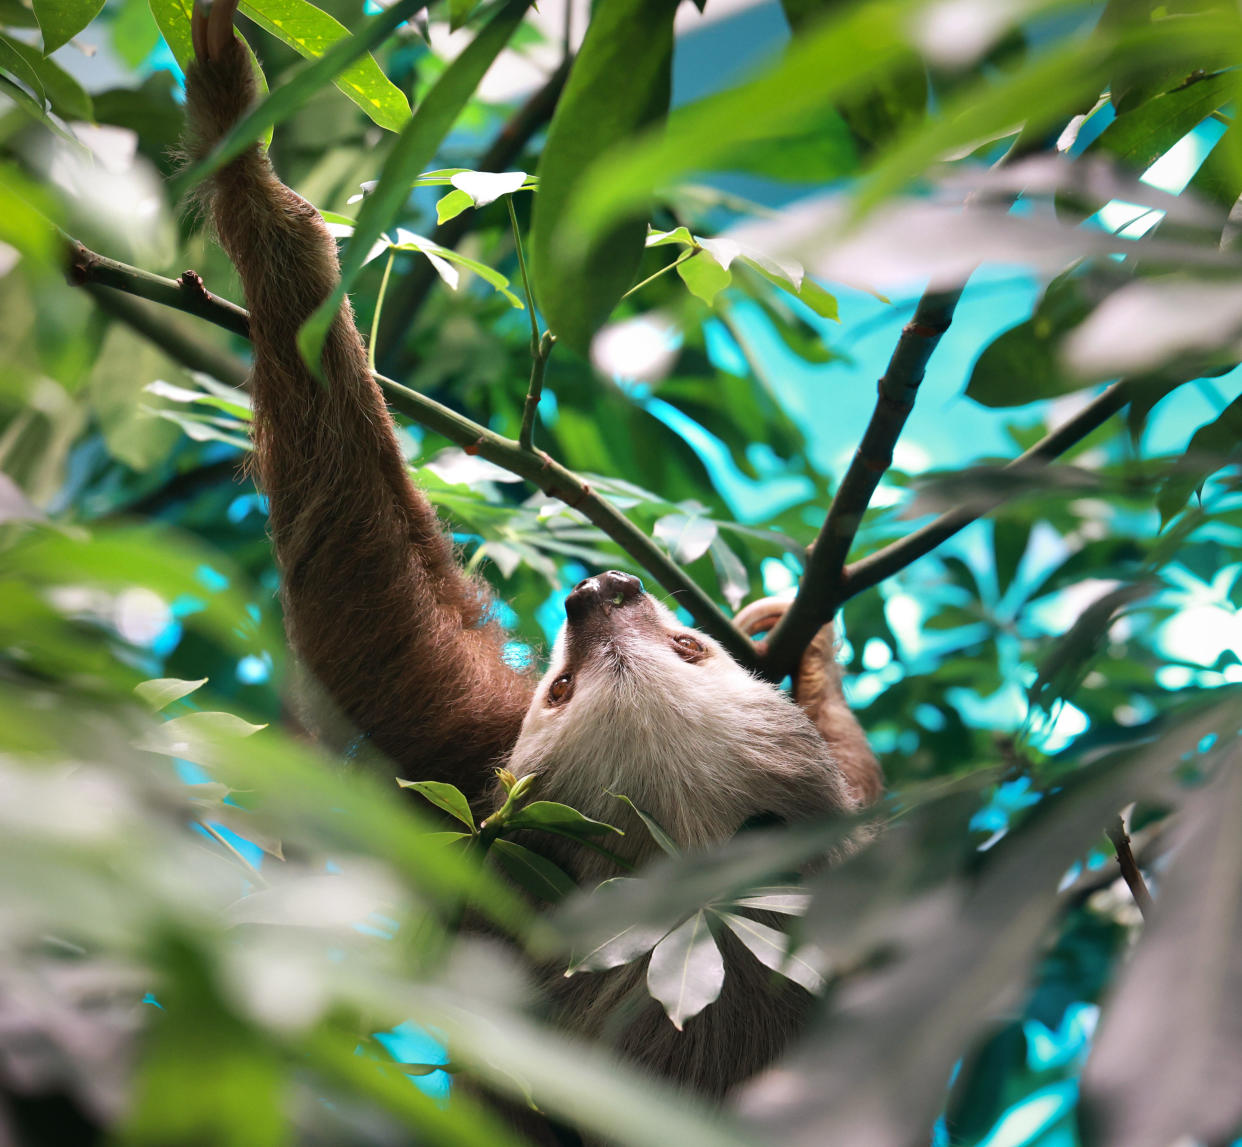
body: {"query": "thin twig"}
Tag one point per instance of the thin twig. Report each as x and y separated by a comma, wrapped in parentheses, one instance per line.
(540, 345)
(1130, 871)
(536, 467)
(823, 585)
(539, 364)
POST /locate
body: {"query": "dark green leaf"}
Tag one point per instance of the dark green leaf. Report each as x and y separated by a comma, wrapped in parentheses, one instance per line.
(662, 838)
(548, 816)
(619, 85)
(65, 95)
(1023, 364)
(686, 972)
(1214, 445)
(531, 871)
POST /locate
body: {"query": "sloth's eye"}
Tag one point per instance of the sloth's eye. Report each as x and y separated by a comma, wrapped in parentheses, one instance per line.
(560, 689)
(689, 648)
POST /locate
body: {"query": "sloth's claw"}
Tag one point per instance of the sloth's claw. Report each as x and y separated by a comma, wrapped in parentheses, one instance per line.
(211, 28)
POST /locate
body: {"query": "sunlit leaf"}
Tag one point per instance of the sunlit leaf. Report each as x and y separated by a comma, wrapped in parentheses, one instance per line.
(310, 32)
(161, 692)
(444, 796)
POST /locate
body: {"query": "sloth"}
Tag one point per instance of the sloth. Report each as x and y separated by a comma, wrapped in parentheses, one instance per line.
(401, 648)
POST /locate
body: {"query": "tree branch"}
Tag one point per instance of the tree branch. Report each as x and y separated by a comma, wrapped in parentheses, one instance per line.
(178, 344)
(823, 585)
(411, 291)
(187, 294)
(1130, 872)
(882, 564)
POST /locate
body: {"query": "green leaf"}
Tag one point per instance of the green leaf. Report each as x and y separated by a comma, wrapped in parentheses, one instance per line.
(816, 69)
(1140, 137)
(687, 537)
(623, 947)
(160, 692)
(311, 32)
(67, 97)
(619, 85)
(788, 900)
(452, 205)
(1023, 364)
(61, 20)
(172, 17)
(444, 796)
(662, 838)
(549, 816)
(770, 947)
(538, 876)
(730, 572)
(413, 150)
(703, 276)
(308, 79)
(1214, 445)
(686, 972)
(19, 70)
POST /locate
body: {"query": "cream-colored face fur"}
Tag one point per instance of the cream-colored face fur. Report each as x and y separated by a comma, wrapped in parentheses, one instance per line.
(637, 703)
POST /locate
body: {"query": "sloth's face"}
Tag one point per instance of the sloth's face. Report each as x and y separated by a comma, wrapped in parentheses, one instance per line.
(637, 703)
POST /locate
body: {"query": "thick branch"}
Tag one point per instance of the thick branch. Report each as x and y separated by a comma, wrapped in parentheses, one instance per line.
(823, 584)
(535, 466)
(185, 294)
(411, 292)
(882, 564)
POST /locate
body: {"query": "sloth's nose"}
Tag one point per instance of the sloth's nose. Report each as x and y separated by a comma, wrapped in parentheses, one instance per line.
(605, 590)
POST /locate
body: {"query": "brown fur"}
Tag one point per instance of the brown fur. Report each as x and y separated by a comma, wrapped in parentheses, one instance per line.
(375, 604)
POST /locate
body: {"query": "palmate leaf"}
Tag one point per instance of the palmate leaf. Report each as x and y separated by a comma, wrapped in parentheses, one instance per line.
(770, 947)
(686, 972)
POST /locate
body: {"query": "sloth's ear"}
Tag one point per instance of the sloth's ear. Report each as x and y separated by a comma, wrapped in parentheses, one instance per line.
(817, 690)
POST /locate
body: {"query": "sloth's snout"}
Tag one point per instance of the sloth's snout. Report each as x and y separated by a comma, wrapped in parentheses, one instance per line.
(605, 592)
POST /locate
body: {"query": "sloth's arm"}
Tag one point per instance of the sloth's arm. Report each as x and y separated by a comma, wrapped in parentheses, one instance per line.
(375, 604)
(818, 690)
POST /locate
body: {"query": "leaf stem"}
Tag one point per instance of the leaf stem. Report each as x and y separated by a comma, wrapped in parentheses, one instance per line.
(379, 306)
(690, 254)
